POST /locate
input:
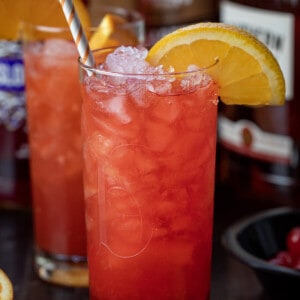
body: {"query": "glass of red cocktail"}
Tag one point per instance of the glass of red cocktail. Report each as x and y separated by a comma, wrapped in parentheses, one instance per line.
(54, 104)
(149, 141)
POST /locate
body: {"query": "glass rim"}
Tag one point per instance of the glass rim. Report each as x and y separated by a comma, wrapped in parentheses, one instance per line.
(97, 71)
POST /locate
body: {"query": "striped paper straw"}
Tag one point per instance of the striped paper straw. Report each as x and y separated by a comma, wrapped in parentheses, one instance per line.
(77, 32)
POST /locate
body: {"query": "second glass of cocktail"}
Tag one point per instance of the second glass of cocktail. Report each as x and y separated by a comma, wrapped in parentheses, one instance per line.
(54, 106)
(149, 155)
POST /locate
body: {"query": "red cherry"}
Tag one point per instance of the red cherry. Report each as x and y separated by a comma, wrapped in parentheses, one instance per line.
(296, 264)
(282, 258)
(293, 242)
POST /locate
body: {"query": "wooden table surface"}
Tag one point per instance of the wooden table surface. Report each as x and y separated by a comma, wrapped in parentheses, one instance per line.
(231, 280)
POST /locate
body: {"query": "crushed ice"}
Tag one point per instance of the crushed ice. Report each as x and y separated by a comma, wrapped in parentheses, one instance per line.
(131, 60)
(55, 47)
(196, 78)
(116, 106)
(128, 60)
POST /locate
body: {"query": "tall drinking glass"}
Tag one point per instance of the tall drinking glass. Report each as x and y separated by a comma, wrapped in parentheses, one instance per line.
(54, 104)
(149, 163)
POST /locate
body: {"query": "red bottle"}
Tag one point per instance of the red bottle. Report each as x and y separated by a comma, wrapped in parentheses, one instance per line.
(14, 166)
(259, 147)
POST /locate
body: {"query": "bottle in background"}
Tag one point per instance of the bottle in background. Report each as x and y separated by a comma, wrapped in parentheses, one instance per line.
(14, 166)
(162, 17)
(259, 147)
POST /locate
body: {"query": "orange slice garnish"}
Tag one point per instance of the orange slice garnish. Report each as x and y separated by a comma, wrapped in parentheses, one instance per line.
(244, 68)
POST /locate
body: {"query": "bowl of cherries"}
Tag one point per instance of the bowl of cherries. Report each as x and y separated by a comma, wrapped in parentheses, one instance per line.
(269, 243)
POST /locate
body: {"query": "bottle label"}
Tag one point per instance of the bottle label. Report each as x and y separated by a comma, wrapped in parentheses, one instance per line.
(12, 74)
(264, 24)
(246, 138)
(12, 86)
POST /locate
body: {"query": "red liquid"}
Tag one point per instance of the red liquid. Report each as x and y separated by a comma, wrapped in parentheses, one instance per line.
(149, 187)
(53, 102)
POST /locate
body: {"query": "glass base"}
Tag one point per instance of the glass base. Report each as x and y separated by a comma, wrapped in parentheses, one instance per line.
(60, 269)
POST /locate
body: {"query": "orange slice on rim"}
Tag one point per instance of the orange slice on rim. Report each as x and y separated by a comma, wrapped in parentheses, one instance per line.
(112, 32)
(243, 67)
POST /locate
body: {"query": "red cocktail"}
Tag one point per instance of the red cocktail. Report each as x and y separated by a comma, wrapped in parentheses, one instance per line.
(53, 103)
(54, 108)
(149, 155)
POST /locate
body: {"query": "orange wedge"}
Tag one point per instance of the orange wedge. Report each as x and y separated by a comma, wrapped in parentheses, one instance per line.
(245, 70)
(43, 12)
(111, 32)
(6, 288)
